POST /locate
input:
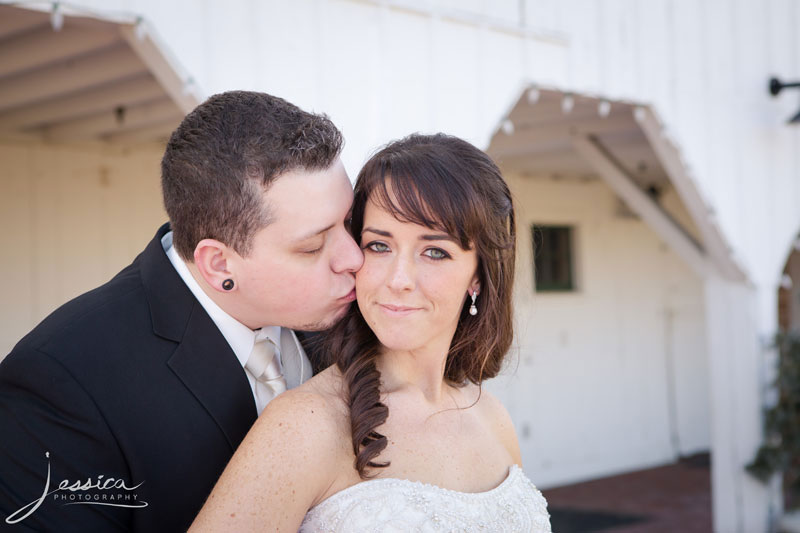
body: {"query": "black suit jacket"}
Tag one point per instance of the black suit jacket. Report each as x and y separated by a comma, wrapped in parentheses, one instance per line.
(131, 381)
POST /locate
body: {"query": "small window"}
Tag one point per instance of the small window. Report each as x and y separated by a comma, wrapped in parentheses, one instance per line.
(552, 252)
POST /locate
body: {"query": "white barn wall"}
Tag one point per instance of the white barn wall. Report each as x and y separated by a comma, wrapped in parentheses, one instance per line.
(381, 72)
(73, 219)
(705, 66)
(741, 503)
(588, 387)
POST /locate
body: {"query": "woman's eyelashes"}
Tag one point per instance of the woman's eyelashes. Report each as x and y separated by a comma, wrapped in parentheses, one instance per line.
(436, 254)
(377, 247)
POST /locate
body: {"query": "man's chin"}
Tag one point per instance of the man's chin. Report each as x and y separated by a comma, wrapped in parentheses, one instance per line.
(327, 322)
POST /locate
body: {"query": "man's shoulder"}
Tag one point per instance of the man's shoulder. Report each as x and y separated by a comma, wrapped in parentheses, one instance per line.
(107, 310)
(115, 308)
(72, 346)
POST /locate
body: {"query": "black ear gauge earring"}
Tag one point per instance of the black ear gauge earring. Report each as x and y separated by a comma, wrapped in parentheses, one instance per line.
(227, 284)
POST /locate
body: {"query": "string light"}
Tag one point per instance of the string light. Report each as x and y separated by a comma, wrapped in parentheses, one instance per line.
(567, 103)
(140, 29)
(188, 86)
(533, 95)
(56, 17)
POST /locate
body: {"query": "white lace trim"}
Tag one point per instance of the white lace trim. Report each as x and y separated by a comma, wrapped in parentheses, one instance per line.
(391, 504)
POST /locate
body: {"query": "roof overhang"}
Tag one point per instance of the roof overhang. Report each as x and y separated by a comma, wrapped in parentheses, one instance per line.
(69, 76)
(550, 132)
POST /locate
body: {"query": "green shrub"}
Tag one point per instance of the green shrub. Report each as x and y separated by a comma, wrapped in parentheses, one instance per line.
(780, 451)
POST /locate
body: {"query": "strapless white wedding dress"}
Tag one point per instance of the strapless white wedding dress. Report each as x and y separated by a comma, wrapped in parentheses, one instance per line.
(397, 505)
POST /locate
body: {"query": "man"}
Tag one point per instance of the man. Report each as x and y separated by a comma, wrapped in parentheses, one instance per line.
(120, 410)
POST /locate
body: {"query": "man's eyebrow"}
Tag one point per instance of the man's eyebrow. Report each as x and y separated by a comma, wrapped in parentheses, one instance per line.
(314, 234)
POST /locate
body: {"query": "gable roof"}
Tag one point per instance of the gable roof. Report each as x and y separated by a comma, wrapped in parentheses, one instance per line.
(68, 76)
(557, 133)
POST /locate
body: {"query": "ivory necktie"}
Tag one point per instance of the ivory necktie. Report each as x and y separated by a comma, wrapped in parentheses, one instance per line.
(264, 366)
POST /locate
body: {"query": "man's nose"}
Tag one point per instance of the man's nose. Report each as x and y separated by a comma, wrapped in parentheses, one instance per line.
(348, 256)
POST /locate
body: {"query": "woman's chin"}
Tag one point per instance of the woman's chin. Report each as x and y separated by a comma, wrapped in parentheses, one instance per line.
(397, 342)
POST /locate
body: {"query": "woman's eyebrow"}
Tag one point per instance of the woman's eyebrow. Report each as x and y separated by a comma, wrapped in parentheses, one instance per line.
(438, 237)
(430, 237)
(378, 231)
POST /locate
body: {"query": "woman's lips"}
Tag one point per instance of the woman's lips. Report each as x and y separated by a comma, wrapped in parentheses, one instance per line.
(397, 310)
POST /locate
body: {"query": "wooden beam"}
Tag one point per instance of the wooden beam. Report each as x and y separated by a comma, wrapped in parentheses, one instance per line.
(528, 135)
(127, 92)
(15, 20)
(669, 157)
(34, 49)
(154, 133)
(111, 122)
(649, 211)
(537, 138)
(592, 124)
(549, 111)
(531, 146)
(176, 83)
(69, 76)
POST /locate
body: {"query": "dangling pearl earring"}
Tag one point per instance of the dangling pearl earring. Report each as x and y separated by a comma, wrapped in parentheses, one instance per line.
(472, 309)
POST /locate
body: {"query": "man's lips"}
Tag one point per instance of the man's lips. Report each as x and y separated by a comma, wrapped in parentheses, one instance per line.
(397, 310)
(349, 297)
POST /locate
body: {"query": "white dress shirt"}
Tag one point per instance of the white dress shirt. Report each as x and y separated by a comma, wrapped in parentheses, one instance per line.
(240, 338)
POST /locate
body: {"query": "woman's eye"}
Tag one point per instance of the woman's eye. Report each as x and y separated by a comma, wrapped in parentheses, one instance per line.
(378, 247)
(436, 253)
(314, 251)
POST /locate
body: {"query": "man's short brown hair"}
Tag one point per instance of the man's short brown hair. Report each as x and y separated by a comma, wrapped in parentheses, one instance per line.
(226, 153)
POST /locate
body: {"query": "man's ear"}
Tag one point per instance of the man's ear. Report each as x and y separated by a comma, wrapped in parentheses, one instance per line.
(213, 261)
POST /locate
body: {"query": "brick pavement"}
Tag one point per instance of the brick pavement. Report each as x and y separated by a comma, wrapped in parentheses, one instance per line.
(675, 497)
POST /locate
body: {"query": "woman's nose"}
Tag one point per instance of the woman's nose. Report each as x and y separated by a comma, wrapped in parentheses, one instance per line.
(401, 277)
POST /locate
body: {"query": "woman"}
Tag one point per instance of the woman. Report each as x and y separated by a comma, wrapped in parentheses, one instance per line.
(397, 434)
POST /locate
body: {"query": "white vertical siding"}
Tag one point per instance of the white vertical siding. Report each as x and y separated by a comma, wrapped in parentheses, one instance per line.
(382, 71)
(587, 386)
(740, 501)
(73, 218)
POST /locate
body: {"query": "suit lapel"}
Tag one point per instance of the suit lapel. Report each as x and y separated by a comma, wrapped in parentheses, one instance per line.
(208, 367)
(296, 367)
(203, 360)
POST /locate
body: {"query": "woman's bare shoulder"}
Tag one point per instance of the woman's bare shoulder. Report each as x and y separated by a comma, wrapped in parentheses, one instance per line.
(326, 388)
(497, 417)
(317, 404)
(297, 449)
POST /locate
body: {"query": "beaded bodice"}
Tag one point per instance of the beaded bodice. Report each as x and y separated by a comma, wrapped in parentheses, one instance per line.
(395, 505)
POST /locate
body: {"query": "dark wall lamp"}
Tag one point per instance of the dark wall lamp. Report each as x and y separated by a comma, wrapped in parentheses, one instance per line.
(776, 86)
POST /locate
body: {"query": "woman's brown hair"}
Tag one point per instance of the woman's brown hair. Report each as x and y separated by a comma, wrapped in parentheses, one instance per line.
(446, 184)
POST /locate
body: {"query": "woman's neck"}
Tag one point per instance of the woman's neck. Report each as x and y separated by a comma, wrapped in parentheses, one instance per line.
(420, 370)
